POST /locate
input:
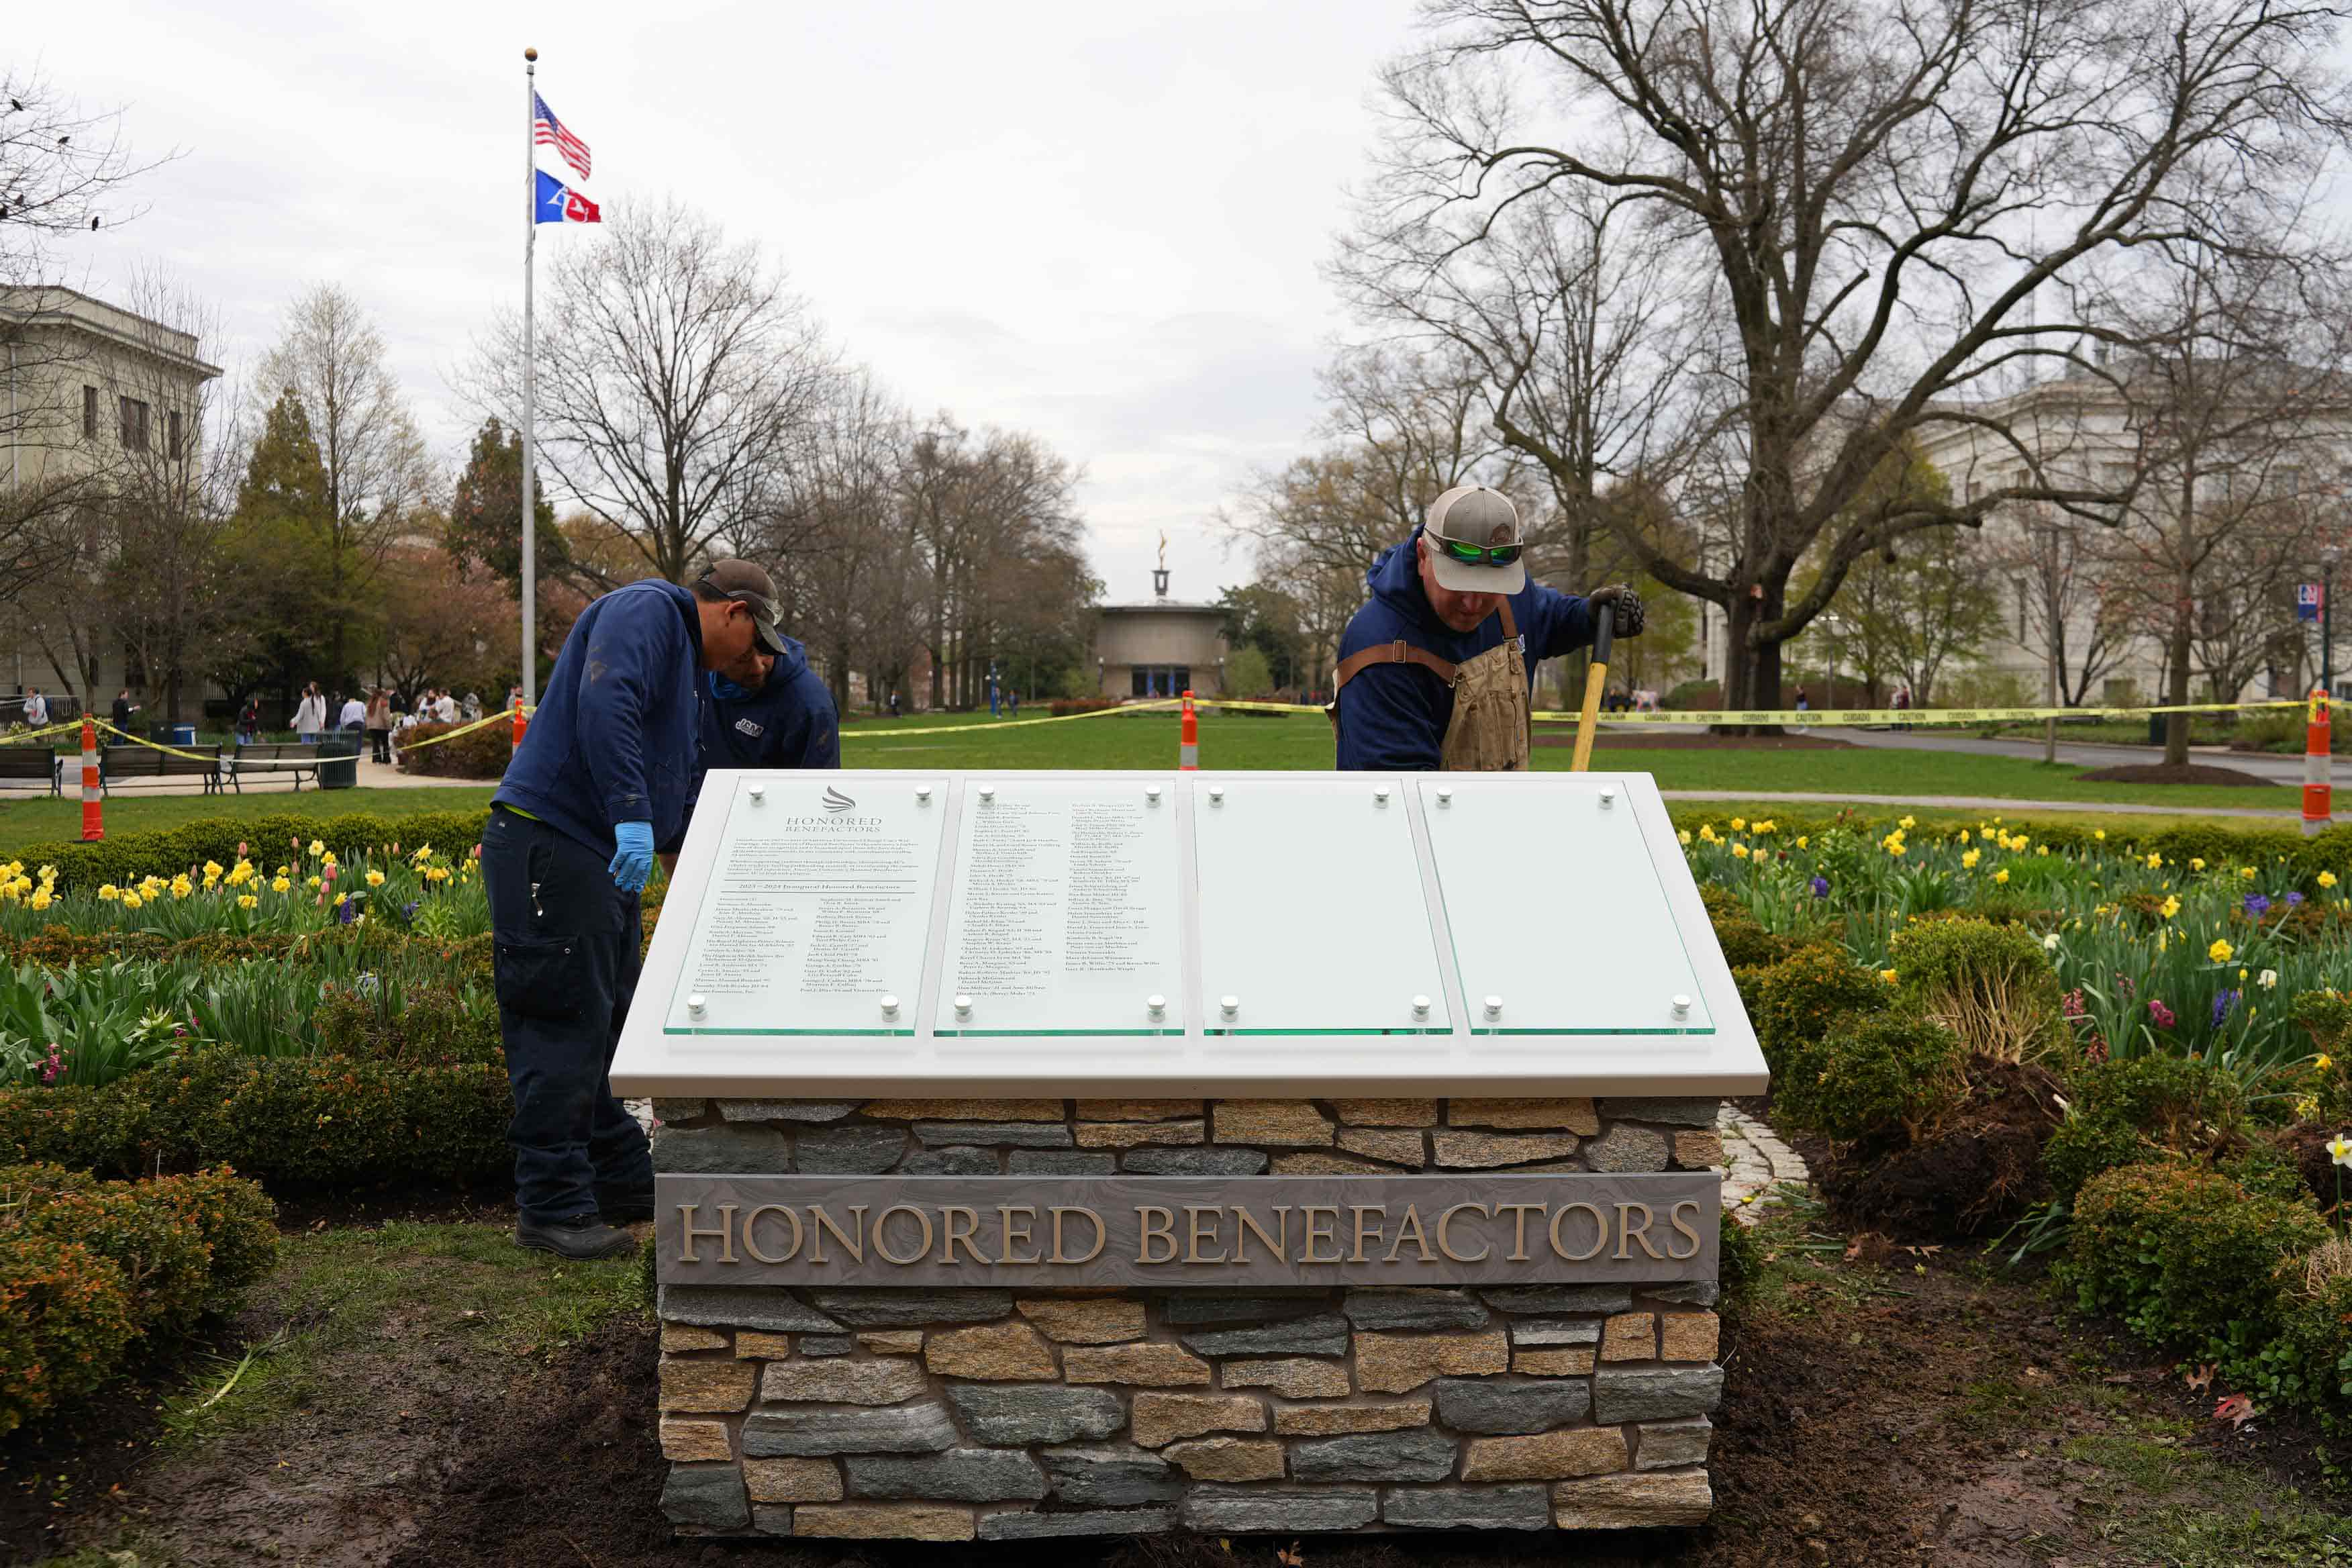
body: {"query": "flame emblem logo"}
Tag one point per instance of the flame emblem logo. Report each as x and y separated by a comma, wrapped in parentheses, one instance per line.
(836, 801)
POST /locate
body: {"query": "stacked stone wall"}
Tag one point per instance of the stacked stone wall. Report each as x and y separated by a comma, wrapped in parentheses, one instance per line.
(996, 1414)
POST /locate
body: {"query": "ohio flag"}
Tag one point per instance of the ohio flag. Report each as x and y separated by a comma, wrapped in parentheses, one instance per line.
(559, 203)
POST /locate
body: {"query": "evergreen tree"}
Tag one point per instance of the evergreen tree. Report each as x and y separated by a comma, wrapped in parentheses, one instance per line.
(485, 513)
(281, 613)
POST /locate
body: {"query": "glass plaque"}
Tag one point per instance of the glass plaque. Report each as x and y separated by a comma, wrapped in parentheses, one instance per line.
(1064, 916)
(1557, 911)
(818, 909)
(1313, 920)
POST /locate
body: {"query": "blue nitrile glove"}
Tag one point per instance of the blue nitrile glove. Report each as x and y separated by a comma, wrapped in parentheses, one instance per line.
(632, 862)
(726, 690)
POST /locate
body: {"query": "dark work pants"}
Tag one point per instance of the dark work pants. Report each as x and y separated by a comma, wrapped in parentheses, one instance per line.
(380, 745)
(566, 962)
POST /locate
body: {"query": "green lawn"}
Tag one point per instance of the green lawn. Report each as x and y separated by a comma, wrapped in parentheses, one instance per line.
(34, 820)
(1234, 742)
(1228, 740)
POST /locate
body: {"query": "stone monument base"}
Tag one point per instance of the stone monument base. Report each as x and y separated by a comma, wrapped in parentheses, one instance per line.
(998, 1415)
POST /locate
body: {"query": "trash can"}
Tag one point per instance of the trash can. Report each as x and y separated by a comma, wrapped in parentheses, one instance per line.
(2156, 727)
(339, 761)
(181, 735)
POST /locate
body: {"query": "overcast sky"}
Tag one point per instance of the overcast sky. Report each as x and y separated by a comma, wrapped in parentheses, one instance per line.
(1099, 221)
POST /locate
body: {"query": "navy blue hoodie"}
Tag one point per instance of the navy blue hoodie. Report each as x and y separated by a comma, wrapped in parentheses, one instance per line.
(789, 722)
(1394, 716)
(613, 737)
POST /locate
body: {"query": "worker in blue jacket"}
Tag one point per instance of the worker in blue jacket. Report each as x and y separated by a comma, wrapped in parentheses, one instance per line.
(1437, 670)
(601, 777)
(770, 711)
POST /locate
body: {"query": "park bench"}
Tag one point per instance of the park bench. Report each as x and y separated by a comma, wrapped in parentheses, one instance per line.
(27, 766)
(122, 765)
(273, 759)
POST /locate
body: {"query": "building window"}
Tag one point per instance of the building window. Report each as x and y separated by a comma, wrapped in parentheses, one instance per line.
(1163, 680)
(172, 425)
(134, 424)
(90, 414)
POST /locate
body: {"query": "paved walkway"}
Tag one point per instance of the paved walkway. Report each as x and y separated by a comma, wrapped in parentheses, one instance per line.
(1756, 1164)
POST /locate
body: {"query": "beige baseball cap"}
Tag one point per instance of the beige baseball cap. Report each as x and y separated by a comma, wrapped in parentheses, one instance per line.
(1467, 528)
(755, 590)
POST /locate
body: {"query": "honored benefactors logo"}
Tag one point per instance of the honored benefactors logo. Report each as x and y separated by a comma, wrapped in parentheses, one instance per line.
(836, 801)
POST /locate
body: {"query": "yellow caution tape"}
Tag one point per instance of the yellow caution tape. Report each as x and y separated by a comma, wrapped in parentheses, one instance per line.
(504, 715)
(891, 734)
(1831, 718)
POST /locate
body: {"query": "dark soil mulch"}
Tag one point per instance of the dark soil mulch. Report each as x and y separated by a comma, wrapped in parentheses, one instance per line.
(1977, 1170)
(2183, 774)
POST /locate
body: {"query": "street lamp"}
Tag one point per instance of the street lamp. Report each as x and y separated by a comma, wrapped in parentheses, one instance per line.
(2328, 559)
(2050, 611)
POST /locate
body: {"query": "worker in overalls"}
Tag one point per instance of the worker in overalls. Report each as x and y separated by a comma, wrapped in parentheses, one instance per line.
(1436, 670)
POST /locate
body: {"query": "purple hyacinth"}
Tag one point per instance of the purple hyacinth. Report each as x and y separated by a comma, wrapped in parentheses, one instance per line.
(345, 911)
(1821, 886)
(2293, 899)
(2222, 1006)
(2257, 905)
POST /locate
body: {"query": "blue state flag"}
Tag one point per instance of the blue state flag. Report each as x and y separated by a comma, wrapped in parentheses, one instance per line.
(559, 203)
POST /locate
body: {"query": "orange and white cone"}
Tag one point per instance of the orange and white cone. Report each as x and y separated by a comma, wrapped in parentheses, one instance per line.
(93, 807)
(1188, 746)
(2318, 756)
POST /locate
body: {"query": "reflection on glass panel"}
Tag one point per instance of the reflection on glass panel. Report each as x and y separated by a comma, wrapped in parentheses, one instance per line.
(1312, 916)
(1064, 915)
(817, 911)
(1560, 920)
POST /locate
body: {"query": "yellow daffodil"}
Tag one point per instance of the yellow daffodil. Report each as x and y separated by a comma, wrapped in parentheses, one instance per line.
(1739, 824)
(314, 881)
(2001, 875)
(1684, 837)
(374, 879)
(1969, 859)
(1739, 851)
(2100, 833)
(131, 901)
(1887, 975)
(1964, 835)
(2220, 951)
(2247, 872)
(2327, 878)
(2171, 905)
(279, 884)
(318, 846)
(2268, 981)
(246, 900)
(1800, 840)
(2196, 864)
(108, 892)
(2155, 861)
(2339, 1149)
(40, 899)
(2323, 1061)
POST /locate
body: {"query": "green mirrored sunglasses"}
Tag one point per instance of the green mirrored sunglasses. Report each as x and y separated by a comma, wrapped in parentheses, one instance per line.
(1479, 554)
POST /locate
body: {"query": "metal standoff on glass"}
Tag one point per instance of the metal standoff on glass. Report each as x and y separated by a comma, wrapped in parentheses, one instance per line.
(1380, 793)
(963, 1006)
(1151, 793)
(1445, 797)
(694, 1004)
(923, 794)
(1494, 1006)
(1421, 1006)
(1217, 795)
(1681, 1007)
(1229, 1006)
(890, 1007)
(1155, 1005)
(1608, 796)
(757, 790)
(988, 792)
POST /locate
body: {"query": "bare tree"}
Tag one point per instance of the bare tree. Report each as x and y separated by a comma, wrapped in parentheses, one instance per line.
(332, 358)
(2068, 609)
(1853, 187)
(2234, 411)
(676, 374)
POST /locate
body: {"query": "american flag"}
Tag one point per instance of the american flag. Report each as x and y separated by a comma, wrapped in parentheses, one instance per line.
(546, 131)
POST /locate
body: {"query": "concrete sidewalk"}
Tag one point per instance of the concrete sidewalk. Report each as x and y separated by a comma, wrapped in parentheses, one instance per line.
(371, 776)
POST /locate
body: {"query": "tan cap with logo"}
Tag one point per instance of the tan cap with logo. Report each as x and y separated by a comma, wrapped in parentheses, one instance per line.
(1466, 528)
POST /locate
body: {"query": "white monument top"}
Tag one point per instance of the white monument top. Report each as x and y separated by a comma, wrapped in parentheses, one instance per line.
(1261, 935)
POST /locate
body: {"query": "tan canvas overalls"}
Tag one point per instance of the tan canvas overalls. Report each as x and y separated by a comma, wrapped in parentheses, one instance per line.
(1489, 730)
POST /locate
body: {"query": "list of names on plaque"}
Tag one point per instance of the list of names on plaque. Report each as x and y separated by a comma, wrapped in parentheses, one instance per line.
(816, 908)
(1065, 910)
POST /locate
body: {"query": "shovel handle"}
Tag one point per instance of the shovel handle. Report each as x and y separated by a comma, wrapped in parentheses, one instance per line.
(1596, 678)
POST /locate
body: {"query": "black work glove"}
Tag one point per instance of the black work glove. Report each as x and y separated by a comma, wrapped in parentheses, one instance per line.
(1626, 604)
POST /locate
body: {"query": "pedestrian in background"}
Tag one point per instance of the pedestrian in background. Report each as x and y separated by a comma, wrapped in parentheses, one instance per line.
(310, 715)
(379, 725)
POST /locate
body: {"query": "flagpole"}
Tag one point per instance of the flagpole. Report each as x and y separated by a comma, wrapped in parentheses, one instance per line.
(530, 379)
